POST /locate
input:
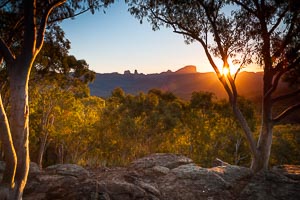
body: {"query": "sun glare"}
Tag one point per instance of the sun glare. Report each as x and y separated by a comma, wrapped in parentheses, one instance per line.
(225, 71)
(232, 69)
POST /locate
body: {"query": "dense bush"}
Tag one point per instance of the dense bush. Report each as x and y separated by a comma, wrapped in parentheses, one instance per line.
(91, 131)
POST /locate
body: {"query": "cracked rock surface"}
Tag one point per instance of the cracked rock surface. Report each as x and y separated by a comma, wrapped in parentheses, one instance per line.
(162, 177)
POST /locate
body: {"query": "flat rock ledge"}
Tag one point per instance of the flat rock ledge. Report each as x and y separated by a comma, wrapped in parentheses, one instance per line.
(163, 177)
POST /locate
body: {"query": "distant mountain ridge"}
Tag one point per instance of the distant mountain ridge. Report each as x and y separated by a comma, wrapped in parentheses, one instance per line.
(181, 82)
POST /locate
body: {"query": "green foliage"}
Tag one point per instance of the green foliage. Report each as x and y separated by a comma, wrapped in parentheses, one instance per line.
(71, 119)
(286, 145)
(91, 131)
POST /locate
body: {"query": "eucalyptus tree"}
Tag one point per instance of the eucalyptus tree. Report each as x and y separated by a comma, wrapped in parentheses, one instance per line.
(239, 33)
(23, 25)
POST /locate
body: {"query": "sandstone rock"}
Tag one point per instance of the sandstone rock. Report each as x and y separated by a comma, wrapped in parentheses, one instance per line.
(160, 170)
(231, 173)
(67, 169)
(270, 185)
(193, 182)
(162, 177)
(34, 168)
(161, 159)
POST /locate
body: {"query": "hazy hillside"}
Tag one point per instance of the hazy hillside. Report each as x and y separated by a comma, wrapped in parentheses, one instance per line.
(182, 83)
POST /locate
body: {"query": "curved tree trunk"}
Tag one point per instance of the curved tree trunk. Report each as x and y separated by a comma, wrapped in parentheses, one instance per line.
(7, 183)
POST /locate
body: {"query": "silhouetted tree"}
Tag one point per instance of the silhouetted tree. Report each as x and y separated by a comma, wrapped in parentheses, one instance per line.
(262, 32)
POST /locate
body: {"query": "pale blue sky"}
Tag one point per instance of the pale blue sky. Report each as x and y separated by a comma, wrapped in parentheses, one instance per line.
(116, 41)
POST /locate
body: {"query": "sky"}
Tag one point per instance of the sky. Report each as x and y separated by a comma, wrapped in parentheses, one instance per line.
(115, 41)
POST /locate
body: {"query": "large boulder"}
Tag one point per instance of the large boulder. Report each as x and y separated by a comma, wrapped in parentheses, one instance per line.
(270, 185)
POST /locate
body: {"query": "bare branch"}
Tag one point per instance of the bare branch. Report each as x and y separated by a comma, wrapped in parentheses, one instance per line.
(18, 24)
(279, 75)
(286, 96)
(278, 21)
(275, 83)
(288, 36)
(237, 72)
(4, 3)
(245, 7)
(5, 52)
(233, 87)
(286, 112)
(69, 17)
(215, 31)
(41, 32)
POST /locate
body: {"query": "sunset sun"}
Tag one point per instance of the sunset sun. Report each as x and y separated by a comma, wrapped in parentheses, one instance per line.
(231, 69)
(225, 71)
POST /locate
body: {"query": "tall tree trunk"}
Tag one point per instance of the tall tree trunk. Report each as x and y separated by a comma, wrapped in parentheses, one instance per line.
(266, 133)
(19, 122)
(264, 148)
(265, 138)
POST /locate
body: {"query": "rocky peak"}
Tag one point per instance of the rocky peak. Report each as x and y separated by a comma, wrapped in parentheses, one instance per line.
(189, 69)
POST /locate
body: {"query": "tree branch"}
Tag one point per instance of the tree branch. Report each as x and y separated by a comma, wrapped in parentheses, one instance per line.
(288, 37)
(215, 31)
(279, 75)
(9, 150)
(205, 47)
(233, 87)
(69, 17)
(5, 52)
(4, 3)
(14, 30)
(286, 96)
(286, 112)
(275, 83)
(41, 32)
(243, 122)
(245, 7)
(278, 21)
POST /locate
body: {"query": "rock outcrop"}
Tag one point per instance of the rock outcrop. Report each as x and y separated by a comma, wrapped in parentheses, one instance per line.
(164, 177)
(189, 69)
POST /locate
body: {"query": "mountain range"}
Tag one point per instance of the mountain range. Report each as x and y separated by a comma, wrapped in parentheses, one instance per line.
(181, 82)
(187, 80)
